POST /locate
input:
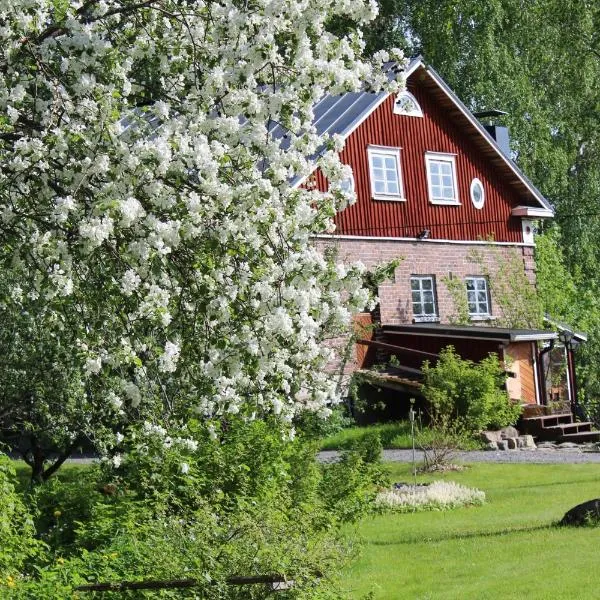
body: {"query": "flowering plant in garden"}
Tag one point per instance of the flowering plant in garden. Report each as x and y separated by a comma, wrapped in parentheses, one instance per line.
(147, 213)
(438, 495)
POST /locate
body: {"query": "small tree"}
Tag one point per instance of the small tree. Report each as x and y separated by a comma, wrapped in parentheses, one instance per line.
(475, 393)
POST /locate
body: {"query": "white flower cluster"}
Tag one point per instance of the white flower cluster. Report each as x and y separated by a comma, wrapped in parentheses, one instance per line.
(439, 495)
(153, 198)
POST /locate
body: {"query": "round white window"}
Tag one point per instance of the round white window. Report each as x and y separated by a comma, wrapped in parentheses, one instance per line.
(477, 193)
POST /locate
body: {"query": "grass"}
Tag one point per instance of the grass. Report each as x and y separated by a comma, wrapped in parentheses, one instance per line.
(506, 549)
(392, 435)
(67, 472)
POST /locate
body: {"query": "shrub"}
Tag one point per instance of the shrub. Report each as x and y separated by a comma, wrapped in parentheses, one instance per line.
(17, 541)
(439, 495)
(473, 392)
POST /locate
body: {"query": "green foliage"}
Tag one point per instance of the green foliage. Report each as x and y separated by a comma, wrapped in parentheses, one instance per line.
(392, 435)
(349, 486)
(249, 502)
(472, 392)
(556, 285)
(456, 289)
(17, 541)
(511, 289)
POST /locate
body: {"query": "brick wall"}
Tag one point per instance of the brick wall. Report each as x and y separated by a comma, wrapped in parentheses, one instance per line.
(425, 258)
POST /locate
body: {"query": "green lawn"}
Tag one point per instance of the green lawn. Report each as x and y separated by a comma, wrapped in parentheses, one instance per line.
(392, 435)
(504, 549)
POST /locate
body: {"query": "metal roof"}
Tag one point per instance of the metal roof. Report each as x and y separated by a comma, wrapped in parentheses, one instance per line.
(493, 334)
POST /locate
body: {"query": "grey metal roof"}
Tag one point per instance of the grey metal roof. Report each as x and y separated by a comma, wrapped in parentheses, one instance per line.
(501, 334)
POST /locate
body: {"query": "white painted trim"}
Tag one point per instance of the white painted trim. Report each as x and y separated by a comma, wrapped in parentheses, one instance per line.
(374, 238)
(531, 211)
(476, 181)
(418, 112)
(434, 152)
(386, 151)
(424, 318)
(346, 133)
(442, 157)
(533, 347)
(479, 316)
(540, 337)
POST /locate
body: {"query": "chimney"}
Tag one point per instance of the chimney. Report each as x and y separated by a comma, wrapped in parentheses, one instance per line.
(498, 132)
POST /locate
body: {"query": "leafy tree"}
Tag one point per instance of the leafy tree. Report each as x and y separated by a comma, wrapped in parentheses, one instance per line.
(146, 200)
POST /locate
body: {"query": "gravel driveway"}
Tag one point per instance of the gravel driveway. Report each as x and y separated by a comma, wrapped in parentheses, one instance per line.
(539, 456)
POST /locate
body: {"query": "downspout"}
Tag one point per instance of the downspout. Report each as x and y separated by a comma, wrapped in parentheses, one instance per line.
(543, 390)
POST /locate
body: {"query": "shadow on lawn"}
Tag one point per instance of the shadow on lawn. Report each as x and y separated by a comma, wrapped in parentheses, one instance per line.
(462, 536)
(552, 483)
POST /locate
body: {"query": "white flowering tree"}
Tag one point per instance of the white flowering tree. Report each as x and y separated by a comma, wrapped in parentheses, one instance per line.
(146, 202)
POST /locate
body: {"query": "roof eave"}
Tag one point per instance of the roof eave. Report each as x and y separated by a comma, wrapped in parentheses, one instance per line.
(533, 212)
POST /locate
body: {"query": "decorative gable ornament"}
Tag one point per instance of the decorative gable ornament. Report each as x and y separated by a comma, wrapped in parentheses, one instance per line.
(406, 104)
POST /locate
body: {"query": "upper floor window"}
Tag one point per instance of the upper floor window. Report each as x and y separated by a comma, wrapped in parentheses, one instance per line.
(406, 104)
(478, 297)
(477, 193)
(346, 185)
(424, 302)
(384, 170)
(441, 178)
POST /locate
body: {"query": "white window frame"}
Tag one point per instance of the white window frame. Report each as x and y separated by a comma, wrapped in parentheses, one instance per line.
(351, 187)
(423, 317)
(386, 151)
(400, 110)
(447, 158)
(478, 314)
(477, 204)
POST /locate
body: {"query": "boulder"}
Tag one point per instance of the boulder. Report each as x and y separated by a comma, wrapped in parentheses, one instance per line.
(547, 446)
(512, 443)
(490, 437)
(527, 441)
(568, 446)
(503, 445)
(587, 513)
(491, 446)
(509, 432)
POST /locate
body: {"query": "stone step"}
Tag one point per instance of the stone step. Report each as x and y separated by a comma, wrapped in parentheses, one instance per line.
(565, 428)
(548, 420)
(581, 437)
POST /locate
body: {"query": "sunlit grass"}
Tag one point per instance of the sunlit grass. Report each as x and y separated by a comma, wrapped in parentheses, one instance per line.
(508, 548)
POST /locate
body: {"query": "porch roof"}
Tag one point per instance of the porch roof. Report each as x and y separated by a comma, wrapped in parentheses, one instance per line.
(491, 334)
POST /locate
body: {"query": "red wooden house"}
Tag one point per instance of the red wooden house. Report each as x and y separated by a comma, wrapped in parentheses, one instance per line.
(433, 184)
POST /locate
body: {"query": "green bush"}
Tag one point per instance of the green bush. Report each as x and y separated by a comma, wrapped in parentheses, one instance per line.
(17, 541)
(247, 503)
(475, 393)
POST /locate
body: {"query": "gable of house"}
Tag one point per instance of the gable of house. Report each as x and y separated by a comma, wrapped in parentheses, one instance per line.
(446, 131)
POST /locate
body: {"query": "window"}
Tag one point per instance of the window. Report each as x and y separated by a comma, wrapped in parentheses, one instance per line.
(477, 193)
(384, 169)
(406, 104)
(441, 178)
(346, 185)
(423, 298)
(478, 298)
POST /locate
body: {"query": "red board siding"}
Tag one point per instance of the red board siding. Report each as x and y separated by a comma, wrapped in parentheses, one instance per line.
(434, 132)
